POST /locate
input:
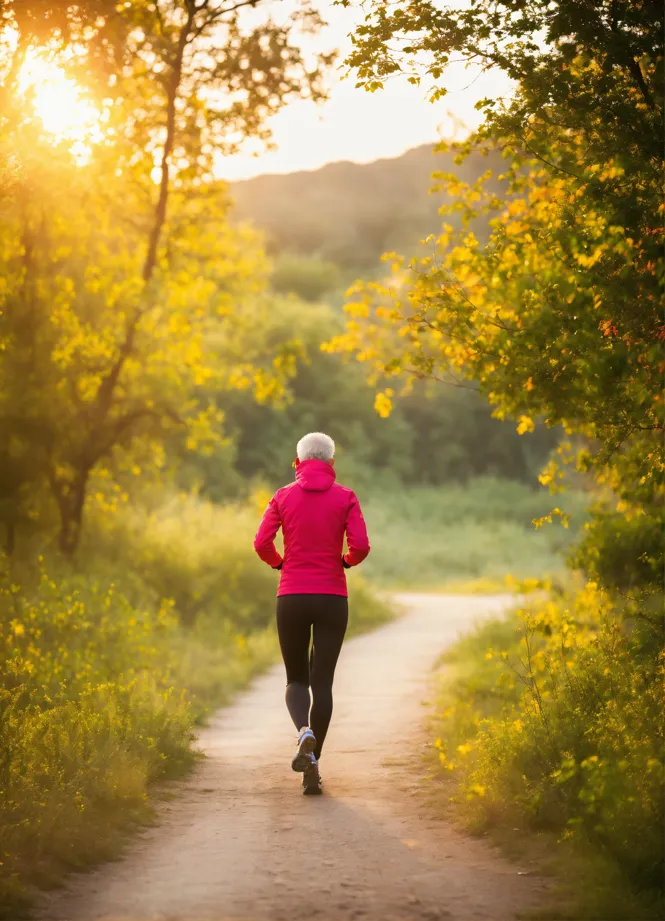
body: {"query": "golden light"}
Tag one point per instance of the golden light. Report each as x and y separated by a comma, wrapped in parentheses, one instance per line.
(59, 103)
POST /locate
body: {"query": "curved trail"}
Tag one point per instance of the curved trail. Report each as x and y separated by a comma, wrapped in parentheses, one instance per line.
(241, 844)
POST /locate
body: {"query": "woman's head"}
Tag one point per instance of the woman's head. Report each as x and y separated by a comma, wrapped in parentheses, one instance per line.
(316, 446)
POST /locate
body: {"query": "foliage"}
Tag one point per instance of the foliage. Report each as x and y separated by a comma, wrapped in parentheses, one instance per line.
(558, 725)
(434, 436)
(117, 272)
(309, 278)
(43, 20)
(81, 394)
(557, 316)
(195, 553)
(89, 717)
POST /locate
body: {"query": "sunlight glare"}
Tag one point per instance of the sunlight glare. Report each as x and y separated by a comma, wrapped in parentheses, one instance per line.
(60, 104)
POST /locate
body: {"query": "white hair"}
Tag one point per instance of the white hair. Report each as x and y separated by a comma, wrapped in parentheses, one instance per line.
(316, 446)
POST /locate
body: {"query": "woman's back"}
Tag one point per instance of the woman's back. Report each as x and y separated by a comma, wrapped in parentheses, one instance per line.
(312, 609)
(314, 513)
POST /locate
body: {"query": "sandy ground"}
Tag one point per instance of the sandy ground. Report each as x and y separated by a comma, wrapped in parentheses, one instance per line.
(240, 843)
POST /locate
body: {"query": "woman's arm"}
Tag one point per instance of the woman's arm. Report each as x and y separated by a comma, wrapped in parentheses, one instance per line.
(356, 534)
(264, 542)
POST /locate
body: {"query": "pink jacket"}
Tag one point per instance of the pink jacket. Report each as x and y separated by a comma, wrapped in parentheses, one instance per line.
(314, 513)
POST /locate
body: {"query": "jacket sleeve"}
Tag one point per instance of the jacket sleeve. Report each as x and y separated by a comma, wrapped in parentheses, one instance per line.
(356, 534)
(264, 542)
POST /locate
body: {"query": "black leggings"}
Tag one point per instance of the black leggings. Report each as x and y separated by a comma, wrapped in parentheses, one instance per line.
(323, 619)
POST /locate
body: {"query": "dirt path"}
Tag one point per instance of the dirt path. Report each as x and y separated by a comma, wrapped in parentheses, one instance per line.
(241, 844)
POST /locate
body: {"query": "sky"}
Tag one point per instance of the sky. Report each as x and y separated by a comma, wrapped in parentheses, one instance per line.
(360, 126)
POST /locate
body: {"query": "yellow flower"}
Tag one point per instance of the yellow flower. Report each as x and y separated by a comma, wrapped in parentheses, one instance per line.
(383, 403)
(525, 425)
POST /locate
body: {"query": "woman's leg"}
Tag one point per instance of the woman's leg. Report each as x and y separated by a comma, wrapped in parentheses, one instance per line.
(294, 628)
(330, 617)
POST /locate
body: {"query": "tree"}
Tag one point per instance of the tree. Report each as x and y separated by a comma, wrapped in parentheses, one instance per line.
(64, 313)
(203, 79)
(195, 80)
(558, 316)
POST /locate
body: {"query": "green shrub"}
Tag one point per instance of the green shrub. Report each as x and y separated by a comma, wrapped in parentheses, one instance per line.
(623, 549)
(88, 717)
(195, 553)
(555, 718)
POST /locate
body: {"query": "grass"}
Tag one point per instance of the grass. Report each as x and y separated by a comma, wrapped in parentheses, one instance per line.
(466, 537)
(569, 783)
(105, 672)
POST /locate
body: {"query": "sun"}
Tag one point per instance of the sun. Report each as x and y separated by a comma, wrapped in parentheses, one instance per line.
(59, 102)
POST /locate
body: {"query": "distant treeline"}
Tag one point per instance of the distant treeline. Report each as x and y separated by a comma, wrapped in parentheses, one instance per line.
(435, 435)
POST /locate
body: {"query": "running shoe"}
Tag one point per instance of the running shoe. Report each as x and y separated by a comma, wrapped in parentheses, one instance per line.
(311, 779)
(303, 756)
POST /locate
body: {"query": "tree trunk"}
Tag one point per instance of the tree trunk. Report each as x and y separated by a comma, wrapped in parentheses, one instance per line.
(70, 495)
(171, 96)
(71, 500)
(10, 537)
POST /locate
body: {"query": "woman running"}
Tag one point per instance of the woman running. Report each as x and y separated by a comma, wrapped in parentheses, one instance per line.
(314, 513)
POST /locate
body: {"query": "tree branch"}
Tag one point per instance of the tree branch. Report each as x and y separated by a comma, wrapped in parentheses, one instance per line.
(172, 94)
(216, 16)
(633, 67)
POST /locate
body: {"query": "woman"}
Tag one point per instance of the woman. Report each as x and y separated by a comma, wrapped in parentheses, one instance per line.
(314, 513)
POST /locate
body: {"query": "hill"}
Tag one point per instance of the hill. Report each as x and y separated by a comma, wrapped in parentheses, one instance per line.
(349, 213)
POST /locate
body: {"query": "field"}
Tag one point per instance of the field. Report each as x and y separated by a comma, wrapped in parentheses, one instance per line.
(467, 536)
